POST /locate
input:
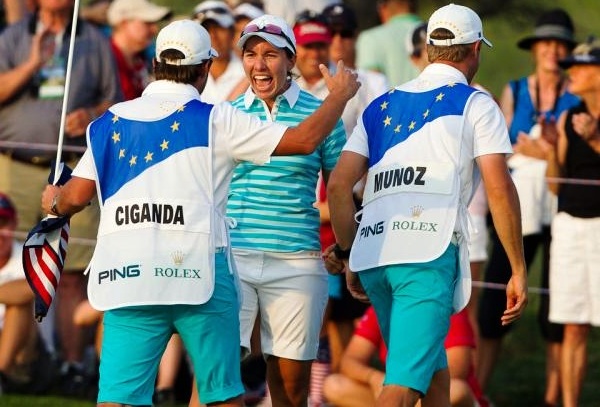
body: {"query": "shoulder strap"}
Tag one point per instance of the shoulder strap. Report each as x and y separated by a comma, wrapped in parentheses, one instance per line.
(514, 86)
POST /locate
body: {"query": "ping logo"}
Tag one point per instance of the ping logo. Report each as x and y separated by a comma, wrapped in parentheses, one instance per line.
(130, 271)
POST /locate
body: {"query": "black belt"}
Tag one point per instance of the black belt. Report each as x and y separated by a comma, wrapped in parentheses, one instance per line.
(38, 160)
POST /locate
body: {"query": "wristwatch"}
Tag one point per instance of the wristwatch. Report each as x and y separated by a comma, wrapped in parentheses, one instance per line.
(53, 208)
(341, 253)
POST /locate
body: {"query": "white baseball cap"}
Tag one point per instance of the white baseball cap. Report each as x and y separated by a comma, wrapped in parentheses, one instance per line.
(461, 21)
(186, 36)
(272, 29)
(216, 11)
(247, 10)
(120, 10)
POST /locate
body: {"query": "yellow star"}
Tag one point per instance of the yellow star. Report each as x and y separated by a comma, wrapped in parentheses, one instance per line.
(148, 156)
(121, 153)
(181, 108)
(164, 145)
(115, 119)
(175, 126)
(133, 160)
(387, 121)
(116, 137)
(412, 125)
(426, 114)
(452, 84)
(384, 105)
(397, 129)
(439, 97)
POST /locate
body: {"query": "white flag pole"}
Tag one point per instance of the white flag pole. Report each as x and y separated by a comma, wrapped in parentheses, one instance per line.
(63, 114)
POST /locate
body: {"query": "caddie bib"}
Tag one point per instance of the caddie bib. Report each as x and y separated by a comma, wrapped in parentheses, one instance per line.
(154, 180)
(411, 197)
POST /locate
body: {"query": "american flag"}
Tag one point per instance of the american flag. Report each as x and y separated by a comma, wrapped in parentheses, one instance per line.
(44, 254)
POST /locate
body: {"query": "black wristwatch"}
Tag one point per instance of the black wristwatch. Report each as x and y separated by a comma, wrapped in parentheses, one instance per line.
(341, 253)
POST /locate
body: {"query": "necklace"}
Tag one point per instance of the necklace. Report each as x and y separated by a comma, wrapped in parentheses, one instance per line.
(549, 115)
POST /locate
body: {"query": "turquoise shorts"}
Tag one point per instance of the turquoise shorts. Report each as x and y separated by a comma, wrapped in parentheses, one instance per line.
(413, 303)
(135, 339)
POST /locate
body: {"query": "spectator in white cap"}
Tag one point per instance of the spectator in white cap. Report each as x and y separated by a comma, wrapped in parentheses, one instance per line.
(276, 240)
(226, 79)
(423, 147)
(243, 14)
(134, 26)
(289, 9)
(161, 165)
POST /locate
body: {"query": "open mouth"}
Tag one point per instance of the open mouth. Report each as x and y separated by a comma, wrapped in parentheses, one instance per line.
(263, 81)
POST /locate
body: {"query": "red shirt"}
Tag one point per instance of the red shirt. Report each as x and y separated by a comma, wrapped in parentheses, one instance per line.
(326, 231)
(131, 78)
(460, 334)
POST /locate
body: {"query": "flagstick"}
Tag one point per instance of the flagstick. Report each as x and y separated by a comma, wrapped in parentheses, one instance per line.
(63, 113)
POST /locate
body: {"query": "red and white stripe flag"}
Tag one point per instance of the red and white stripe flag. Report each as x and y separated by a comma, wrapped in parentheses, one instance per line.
(44, 254)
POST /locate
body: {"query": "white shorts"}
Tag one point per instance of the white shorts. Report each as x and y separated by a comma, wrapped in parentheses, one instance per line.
(478, 238)
(290, 291)
(574, 270)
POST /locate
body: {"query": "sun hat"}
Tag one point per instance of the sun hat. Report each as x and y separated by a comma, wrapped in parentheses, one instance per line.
(587, 53)
(7, 209)
(247, 10)
(551, 25)
(121, 10)
(186, 36)
(272, 29)
(461, 21)
(216, 11)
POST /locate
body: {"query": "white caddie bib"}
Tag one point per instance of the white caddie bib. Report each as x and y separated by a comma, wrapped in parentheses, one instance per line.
(412, 195)
(155, 240)
(409, 214)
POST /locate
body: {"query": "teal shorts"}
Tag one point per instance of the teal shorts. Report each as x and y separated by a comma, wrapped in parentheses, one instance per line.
(413, 303)
(135, 339)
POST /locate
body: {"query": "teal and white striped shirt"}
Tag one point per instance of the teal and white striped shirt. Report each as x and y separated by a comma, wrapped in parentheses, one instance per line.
(273, 203)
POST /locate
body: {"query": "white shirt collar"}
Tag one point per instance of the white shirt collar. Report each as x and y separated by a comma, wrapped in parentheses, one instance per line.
(291, 95)
(164, 86)
(439, 69)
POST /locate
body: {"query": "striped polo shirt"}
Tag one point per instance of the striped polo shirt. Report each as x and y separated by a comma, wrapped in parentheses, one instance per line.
(273, 203)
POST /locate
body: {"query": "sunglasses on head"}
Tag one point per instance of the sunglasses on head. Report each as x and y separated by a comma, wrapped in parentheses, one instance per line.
(205, 14)
(216, 10)
(269, 29)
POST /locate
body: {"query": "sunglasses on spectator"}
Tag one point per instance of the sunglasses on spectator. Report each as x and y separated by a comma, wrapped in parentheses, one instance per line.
(342, 33)
(269, 29)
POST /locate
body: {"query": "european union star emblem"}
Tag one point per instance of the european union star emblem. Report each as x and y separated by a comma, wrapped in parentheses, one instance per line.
(395, 116)
(124, 148)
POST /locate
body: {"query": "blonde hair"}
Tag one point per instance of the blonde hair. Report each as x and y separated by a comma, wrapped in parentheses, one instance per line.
(587, 47)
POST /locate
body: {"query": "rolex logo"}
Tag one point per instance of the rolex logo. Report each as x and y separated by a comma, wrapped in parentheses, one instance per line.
(177, 257)
(416, 211)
